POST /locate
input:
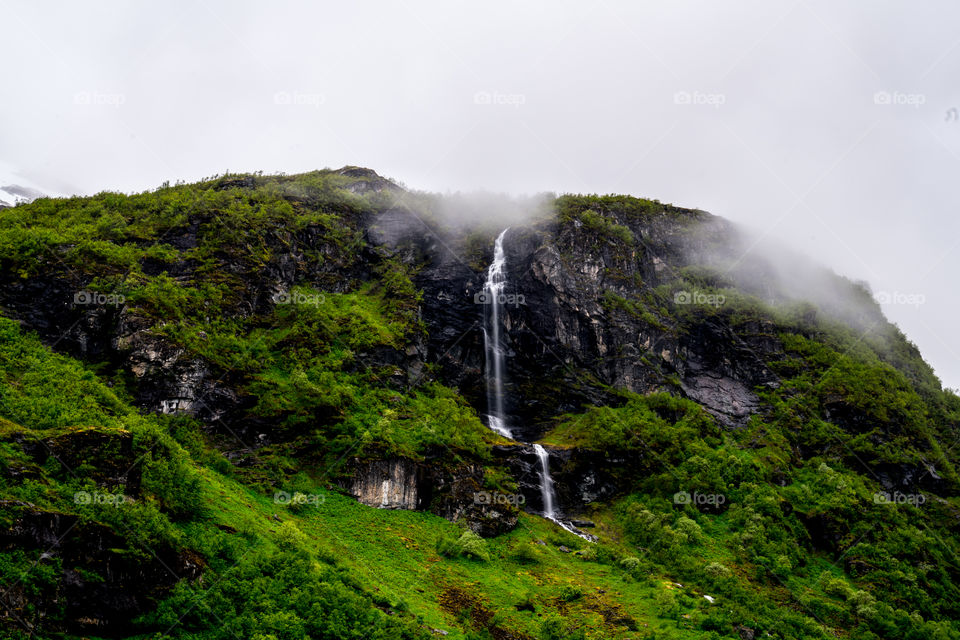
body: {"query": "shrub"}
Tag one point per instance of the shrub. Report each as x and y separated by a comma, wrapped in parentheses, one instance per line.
(556, 628)
(468, 545)
(690, 530)
(525, 553)
(717, 571)
(571, 593)
(666, 603)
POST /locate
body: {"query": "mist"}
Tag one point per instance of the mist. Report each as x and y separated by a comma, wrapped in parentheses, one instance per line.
(489, 210)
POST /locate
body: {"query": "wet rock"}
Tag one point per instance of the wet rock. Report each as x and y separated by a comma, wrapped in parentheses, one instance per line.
(455, 493)
(721, 371)
(389, 484)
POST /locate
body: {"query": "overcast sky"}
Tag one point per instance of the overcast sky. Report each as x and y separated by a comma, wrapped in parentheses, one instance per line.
(825, 124)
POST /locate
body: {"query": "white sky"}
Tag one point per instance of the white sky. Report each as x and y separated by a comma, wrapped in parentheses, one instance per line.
(785, 130)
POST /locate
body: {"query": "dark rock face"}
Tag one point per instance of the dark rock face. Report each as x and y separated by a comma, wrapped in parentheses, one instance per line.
(911, 479)
(102, 589)
(566, 344)
(109, 457)
(720, 371)
(580, 476)
(524, 466)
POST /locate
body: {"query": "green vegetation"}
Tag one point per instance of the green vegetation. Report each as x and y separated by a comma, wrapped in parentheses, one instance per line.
(628, 208)
(781, 529)
(747, 518)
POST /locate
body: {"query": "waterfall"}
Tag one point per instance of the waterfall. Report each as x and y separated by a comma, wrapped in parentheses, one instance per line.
(549, 494)
(492, 294)
(547, 491)
(492, 299)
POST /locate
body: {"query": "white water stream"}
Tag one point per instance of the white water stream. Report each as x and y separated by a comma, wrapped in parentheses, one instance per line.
(493, 293)
(493, 299)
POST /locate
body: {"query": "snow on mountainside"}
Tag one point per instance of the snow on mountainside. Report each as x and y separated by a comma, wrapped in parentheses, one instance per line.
(15, 188)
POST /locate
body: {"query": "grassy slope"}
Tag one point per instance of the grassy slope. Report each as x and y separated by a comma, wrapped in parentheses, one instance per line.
(389, 555)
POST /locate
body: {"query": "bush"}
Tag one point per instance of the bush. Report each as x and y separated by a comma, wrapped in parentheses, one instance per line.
(717, 571)
(571, 593)
(468, 545)
(689, 530)
(556, 628)
(527, 604)
(666, 603)
(525, 553)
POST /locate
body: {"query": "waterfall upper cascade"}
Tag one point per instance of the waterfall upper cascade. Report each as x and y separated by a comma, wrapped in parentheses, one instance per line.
(493, 292)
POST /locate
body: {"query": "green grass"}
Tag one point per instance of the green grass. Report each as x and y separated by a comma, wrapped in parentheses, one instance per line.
(393, 555)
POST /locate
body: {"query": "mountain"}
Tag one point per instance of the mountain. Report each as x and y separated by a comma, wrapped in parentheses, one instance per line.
(16, 189)
(325, 406)
(12, 194)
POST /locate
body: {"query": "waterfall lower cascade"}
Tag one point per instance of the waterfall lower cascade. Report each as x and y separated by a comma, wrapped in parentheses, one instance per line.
(495, 365)
(493, 292)
(549, 494)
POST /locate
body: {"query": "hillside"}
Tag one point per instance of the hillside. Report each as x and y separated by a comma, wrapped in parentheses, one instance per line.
(261, 407)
